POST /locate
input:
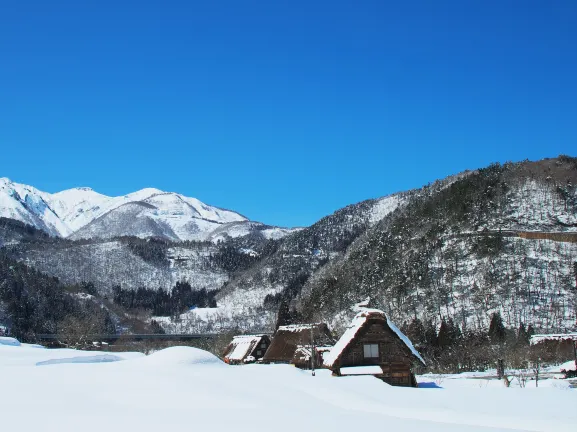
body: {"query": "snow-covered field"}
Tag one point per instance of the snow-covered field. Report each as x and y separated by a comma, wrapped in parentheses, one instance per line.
(185, 388)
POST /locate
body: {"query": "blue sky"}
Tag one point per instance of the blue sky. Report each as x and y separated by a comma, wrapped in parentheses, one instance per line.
(282, 110)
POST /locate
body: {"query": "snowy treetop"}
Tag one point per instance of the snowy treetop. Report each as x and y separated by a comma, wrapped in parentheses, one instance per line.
(298, 327)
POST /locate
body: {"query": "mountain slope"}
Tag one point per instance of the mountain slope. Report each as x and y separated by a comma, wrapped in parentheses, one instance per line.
(498, 239)
(480, 245)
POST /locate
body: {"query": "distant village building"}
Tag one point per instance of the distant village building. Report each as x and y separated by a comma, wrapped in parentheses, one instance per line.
(302, 356)
(290, 338)
(564, 344)
(246, 349)
(373, 345)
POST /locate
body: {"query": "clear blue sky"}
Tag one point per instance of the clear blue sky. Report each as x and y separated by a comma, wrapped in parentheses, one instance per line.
(281, 110)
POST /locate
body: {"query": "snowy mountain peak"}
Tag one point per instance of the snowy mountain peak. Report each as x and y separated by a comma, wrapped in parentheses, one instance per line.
(82, 212)
(83, 189)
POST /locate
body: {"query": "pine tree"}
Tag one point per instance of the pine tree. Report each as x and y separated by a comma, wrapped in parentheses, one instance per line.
(415, 331)
(430, 334)
(284, 315)
(497, 332)
(522, 336)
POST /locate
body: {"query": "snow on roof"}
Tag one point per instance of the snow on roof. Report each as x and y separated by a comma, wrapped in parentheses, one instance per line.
(298, 327)
(358, 321)
(405, 339)
(242, 346)
(535, 339)
(305, 350)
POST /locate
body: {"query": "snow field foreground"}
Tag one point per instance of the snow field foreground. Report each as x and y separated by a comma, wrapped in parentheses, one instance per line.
(185, 388)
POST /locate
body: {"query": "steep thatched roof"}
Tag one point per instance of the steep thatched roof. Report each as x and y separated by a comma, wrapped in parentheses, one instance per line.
(363, 318)
(288, 339)
(243, 346)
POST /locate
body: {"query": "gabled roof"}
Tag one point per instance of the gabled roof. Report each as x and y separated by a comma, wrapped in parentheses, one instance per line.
(356, 325)
(242, 346)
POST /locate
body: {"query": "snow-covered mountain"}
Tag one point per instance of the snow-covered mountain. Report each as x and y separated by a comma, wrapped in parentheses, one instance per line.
(83, 213)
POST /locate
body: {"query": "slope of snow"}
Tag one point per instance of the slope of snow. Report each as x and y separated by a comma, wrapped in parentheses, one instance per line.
(188, 389)
(9, 341)
(181, 355)
(31, 206)
(99, 358)
(384, 206)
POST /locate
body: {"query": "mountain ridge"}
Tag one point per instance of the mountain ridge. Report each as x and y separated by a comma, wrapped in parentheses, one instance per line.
(82, 213)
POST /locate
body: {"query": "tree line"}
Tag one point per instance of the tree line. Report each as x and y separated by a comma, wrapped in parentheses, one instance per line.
(164, 303)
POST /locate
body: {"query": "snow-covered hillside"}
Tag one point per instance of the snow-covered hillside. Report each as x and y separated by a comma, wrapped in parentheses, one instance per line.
(83, 213)
(184, 388)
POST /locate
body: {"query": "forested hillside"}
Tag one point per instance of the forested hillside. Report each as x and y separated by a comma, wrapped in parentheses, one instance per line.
(467, 251)
(32, 303)
(498, 241)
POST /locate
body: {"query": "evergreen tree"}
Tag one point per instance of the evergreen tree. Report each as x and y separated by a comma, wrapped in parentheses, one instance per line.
(522, 336)
(530, 331)
(449, 334)
(430, 334)
(497, 332)
(415, 331)
(283, 315)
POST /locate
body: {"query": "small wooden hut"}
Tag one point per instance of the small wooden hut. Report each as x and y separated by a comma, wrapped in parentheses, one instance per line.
(246, 349)
(302, 356)
(563, 345)
(373, 345)
(287, 340)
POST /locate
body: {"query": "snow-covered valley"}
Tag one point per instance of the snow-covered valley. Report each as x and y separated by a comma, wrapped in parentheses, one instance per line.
(184, 388)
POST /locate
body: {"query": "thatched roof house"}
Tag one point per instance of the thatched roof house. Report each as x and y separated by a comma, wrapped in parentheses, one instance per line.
(302, 357)
(246, 349)
(289, 338)
(373, 345)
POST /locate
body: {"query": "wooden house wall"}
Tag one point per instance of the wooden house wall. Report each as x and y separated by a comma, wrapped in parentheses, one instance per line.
(259, 350)
(394, 358)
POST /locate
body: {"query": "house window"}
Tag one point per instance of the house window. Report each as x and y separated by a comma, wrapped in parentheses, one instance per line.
(263, 345)
(259, 352)
(371, 350)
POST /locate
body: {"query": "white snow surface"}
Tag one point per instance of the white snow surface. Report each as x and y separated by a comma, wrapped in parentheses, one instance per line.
(356, 324)
(10, 341)
(361, 370)
(384, 206)
(184, 388)
(99, 358)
